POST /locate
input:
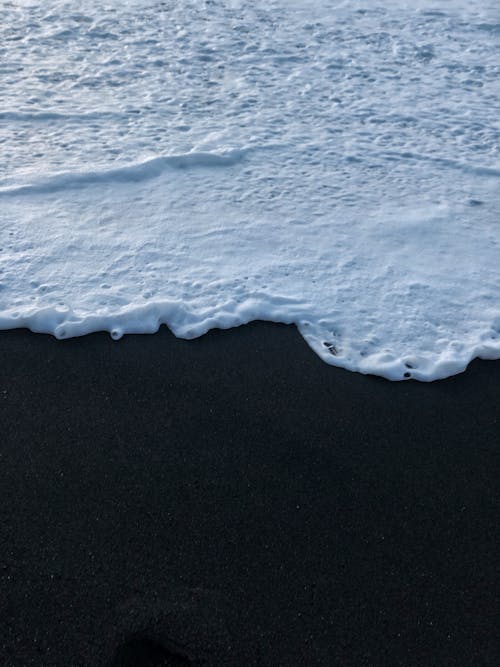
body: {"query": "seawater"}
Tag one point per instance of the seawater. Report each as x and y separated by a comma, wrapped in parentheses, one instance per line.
(206, 163)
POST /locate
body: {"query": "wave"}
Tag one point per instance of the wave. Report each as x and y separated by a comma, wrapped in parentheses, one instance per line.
(37, 116)
(189, 324)
(134, 173)
(477, 170)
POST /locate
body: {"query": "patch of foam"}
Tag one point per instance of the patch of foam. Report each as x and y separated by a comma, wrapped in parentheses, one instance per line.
(313, 163)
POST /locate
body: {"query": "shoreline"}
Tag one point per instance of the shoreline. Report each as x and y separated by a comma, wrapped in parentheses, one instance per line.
(236, 500)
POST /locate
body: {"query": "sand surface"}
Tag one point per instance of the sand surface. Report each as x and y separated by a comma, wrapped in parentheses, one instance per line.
(235, 501)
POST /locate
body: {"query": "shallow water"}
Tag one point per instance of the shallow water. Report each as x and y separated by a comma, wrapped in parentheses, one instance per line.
(203, 164)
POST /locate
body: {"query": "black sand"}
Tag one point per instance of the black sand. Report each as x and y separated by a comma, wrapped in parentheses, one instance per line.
(235, 501)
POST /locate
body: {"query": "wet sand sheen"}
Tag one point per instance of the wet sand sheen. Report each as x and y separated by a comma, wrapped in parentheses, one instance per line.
(233, 499)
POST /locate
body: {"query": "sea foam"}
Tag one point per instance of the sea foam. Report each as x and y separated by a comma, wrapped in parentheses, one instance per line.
(205, 164)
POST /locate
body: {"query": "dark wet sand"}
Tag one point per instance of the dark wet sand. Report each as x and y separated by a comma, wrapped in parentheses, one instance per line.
(235, 501)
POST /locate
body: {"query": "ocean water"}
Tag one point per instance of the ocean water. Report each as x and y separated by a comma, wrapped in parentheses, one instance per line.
(207, 163)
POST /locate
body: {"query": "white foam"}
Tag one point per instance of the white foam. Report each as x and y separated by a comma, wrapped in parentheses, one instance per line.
(328, 164)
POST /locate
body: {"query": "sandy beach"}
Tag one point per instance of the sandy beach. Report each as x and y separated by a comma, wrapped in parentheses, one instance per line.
(235, 501)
